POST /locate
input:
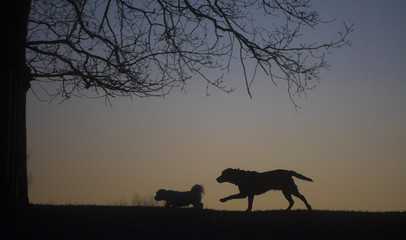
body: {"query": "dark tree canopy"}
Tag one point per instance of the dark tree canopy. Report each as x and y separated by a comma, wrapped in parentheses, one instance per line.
(147, 48)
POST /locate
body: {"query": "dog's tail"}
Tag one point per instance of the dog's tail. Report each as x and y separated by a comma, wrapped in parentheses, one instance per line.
(300, 176)
(197, 189)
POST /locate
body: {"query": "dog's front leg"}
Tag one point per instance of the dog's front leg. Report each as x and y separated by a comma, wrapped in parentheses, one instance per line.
(236, 196)
(250, 201)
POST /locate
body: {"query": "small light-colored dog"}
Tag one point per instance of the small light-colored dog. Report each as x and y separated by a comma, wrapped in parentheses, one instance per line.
(181, 199)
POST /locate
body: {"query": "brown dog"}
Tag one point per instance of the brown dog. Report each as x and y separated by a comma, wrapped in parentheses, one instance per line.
(252, 183)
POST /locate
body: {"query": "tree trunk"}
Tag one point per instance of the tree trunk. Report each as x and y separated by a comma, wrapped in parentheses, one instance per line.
(14, 83)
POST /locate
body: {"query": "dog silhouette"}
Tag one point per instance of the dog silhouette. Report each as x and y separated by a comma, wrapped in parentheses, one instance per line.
(251, 183)
(181, 199)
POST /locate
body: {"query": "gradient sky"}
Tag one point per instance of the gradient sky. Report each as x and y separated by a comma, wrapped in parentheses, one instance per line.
(349, 136)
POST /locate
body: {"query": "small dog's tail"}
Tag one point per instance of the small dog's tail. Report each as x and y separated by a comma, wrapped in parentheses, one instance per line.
(197, 192)
(197, 189)
(300, 176)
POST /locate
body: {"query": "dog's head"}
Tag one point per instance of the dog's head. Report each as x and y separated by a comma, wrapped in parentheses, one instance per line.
(160, 195)
(228, 175)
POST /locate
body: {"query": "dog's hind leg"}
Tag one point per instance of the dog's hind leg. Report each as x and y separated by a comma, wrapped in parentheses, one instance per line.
(288, 196)
(301, 197)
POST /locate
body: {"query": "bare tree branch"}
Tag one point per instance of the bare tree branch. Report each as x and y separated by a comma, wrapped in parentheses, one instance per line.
(147, 48)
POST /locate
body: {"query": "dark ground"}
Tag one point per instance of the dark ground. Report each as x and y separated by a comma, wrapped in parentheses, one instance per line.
(101, 222)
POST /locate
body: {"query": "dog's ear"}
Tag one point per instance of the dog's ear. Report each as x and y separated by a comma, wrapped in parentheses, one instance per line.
(163, 193)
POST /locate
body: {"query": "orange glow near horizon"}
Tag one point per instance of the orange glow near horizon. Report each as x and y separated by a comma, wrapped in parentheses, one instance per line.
(99, 155)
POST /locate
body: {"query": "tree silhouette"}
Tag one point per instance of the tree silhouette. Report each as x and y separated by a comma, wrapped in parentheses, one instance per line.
(146, 48)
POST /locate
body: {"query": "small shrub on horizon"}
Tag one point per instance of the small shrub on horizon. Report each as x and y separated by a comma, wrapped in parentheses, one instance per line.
(144, 201)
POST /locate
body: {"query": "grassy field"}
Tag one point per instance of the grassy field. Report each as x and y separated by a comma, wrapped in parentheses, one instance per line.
(103, 222)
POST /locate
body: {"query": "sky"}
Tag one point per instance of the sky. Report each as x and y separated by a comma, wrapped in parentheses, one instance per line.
(349, 135)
